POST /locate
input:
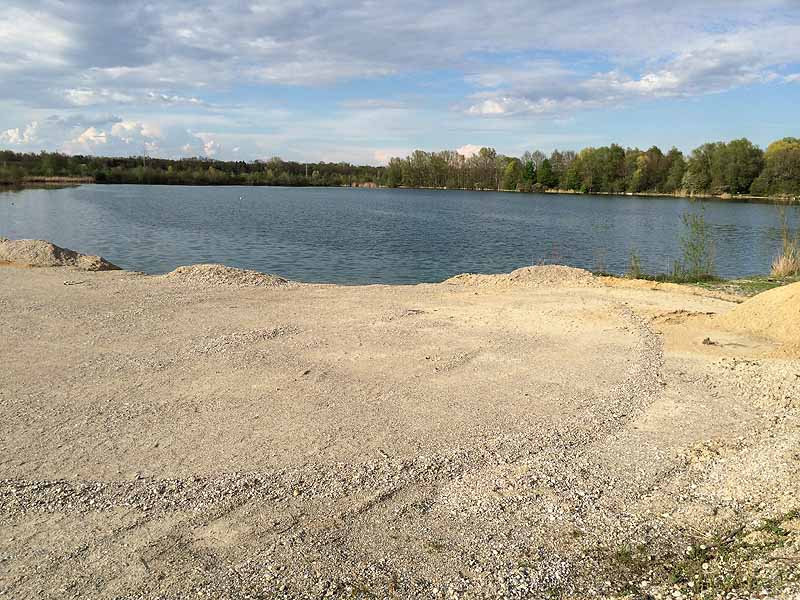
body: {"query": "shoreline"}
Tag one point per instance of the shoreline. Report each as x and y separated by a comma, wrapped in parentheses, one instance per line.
(56, 182)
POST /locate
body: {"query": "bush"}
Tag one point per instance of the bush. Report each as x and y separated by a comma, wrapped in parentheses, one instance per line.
(697, 247)
(787, 263)
(634, 266)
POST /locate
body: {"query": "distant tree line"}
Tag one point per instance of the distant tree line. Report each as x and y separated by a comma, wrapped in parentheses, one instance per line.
(16, 168)
(735, 167)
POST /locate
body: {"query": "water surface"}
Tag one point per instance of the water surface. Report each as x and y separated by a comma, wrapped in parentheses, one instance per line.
(351, 236)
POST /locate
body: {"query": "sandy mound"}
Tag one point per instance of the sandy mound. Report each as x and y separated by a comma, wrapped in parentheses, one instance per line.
(39, 253)
(220, 275)
(774, 314)
(528, 277)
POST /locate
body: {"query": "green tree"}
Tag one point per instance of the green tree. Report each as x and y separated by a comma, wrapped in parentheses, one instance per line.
(676, 171)
(781, 174)
(735, 166)
(512, 175)
(394, 172)
(545, 176)
(697, 178)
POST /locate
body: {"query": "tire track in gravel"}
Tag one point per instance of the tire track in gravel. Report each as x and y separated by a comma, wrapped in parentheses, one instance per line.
(211, 498)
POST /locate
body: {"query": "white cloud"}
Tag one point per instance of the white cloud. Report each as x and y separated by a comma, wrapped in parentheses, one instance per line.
(169, 62)
(91, 136)
(33, 39)
(710, 64)
(19, 136)
(134, 131)
(211, 147)
(90, 97)
(468, 150)
(383, 156)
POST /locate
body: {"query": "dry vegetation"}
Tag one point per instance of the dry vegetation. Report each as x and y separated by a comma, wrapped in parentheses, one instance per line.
(787, 263)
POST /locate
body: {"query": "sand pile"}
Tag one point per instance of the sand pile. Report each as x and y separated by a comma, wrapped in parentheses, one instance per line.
(39, 253)
(774, 314)
(220, 275)
(528, 277)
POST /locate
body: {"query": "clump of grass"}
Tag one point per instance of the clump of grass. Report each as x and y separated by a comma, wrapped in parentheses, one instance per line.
(634, 266)
(697, 245)
(787, 263)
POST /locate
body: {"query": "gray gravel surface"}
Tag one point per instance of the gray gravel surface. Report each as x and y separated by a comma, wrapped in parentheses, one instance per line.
(434, 441)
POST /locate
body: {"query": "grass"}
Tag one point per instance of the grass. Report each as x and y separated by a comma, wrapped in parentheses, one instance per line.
(634, 267)
(787, 263)
(731, 563)
(697, 262)
(697, 245)
(748, 286)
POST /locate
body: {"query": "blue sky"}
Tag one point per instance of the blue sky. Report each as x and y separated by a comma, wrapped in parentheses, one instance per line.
(362, 81)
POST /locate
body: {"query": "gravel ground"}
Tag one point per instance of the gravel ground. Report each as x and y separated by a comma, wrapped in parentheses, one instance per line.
(554, 438)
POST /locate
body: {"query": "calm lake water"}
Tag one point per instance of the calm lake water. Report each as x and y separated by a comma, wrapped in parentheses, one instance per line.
(350, 236)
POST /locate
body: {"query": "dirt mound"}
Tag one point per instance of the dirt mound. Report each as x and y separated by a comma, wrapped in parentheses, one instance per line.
(774, 314)
(528, 277)
(220, 275)
(39, 253)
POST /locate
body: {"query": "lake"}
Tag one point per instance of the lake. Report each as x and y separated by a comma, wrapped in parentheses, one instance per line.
(354, 236)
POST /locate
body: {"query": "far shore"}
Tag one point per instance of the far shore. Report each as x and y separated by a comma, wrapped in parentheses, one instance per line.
(36, 182)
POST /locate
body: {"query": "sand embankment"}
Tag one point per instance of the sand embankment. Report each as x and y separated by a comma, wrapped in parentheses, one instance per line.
(222, 433)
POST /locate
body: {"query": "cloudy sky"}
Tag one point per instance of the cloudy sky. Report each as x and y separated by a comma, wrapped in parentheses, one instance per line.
(361, 81)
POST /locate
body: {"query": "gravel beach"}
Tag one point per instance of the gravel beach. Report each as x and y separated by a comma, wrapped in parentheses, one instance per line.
(216, 433)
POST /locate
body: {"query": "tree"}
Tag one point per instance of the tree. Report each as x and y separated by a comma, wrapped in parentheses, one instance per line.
(394, 172)
(735, 166)
(545, 176)
(512, 175)
(781, 174)
(675, 172)
(697, 178)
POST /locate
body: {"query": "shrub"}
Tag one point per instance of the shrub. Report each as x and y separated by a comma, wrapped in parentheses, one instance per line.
(698, 250)
(787, 263)
(634, 266)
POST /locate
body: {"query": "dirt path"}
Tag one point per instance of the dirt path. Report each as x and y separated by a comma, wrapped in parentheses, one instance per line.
(165, 438)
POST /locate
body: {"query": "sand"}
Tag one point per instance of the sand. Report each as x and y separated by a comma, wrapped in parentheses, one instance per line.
(527, 277)
(543, 437)
(772, 314)
(39, 253)
(215, 275)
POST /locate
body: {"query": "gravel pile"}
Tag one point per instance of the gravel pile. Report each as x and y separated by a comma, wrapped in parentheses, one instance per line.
(40, 253)
(220, 275)
(773, 314)
(528, 277)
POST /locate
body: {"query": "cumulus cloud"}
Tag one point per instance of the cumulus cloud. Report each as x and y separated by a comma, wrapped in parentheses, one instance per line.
(712, 64)
(134, 131)
(210, 146)
(92, 136)
(18, 136)
(163, 45)
(384, 155)
(177, 58)
(468, 150)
